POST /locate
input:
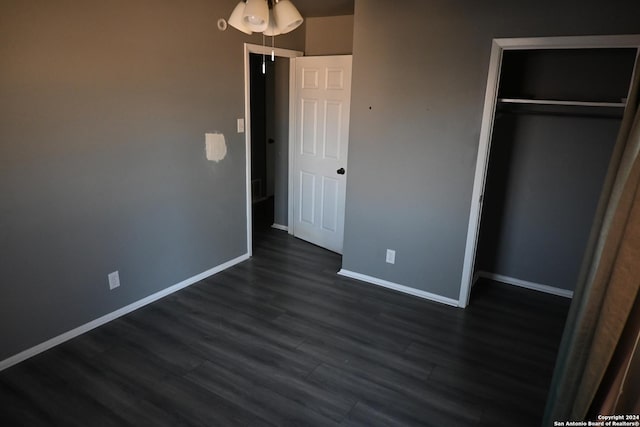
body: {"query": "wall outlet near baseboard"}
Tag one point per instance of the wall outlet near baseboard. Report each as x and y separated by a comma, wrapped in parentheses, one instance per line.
(391, 256)
(114, 280)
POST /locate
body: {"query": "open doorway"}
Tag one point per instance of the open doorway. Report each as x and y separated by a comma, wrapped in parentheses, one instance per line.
(269, 140)
(268, 130)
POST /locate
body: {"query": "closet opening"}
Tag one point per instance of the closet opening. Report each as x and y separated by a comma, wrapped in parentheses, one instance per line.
(552, 116)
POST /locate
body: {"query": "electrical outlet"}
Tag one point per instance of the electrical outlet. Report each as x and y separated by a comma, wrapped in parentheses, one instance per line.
(391, 256)
(114, 280)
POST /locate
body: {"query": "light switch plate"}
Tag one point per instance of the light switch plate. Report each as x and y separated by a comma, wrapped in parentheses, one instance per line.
(114, 280)
(391, 256)
(240, 125)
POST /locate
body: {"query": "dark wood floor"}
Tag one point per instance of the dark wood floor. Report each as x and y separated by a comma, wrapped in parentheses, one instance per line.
(282, 340)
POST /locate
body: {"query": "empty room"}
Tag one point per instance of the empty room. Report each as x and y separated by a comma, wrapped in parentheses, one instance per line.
(316, 213)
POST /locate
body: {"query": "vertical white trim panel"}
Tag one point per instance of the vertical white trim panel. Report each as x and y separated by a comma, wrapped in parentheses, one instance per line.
(481, 169)
(247, 145)
(292, 142)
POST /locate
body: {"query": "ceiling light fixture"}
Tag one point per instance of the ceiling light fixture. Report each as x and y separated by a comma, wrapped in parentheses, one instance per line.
(235, 20)
(270, 17)
(256, 15)
(272, 29)
(287, 16)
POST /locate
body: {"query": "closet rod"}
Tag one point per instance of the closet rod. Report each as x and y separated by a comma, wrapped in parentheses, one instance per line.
(567, 103)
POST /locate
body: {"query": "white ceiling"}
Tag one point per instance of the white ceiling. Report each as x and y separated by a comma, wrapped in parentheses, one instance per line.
(312, 8)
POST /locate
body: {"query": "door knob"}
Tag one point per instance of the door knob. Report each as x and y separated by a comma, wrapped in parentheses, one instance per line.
(340, 171)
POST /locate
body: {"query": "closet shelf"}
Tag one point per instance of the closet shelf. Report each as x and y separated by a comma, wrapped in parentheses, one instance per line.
(562, 103)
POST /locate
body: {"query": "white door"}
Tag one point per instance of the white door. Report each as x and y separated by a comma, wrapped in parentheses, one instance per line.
(323, 98)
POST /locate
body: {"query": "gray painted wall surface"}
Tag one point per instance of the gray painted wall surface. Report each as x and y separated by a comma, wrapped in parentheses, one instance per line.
(543, 187)
(419, 75)
(281, 137)
(331, 35)
(102, 121)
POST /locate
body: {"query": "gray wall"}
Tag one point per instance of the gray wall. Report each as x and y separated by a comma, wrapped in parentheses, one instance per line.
(419, 75)
(544, 183)
(102, 121)
(330, 35)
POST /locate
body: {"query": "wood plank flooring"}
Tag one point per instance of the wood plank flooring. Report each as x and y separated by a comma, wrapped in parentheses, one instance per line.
(282, 340)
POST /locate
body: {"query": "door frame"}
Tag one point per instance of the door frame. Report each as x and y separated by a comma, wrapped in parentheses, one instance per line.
(284, 53)
(486, 129)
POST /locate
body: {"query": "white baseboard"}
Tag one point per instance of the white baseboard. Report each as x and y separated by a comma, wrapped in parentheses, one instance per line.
(396, 287)
(525, 284)
(26, 354)
(280, 227)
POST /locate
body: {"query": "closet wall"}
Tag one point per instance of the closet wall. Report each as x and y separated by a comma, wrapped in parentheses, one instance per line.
(548, 162)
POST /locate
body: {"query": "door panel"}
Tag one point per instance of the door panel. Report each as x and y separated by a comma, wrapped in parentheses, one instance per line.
(307, 198)
(333, 130)
(323, 95)
(330, 194)
(309, 124)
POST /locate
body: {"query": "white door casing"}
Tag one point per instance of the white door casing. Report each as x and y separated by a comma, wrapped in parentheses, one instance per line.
(323, 96)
